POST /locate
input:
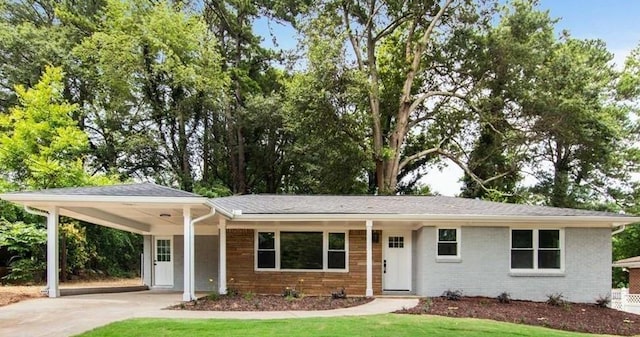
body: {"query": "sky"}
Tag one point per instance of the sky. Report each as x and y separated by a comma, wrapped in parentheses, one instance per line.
(616, 22)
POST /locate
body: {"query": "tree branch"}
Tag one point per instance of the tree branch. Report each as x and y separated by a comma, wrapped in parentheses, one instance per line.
(354, 42)
(420, 155)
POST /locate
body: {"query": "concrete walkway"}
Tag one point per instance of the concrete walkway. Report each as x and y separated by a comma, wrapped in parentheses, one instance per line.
(71, 315)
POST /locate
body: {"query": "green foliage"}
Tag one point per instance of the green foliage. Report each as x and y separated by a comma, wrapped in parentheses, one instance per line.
(75, 243)
(112, 251)
(24, 240)
(41, 145)
(26, 246)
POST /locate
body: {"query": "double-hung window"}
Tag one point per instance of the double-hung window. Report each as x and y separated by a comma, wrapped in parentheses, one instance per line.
(448, 242)
(536, 249)
(300, 250)
(266, 250)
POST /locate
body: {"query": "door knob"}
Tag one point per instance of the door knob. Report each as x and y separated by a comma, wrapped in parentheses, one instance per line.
(385, 267)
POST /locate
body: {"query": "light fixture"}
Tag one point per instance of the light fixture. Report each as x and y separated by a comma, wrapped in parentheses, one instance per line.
(165, 215)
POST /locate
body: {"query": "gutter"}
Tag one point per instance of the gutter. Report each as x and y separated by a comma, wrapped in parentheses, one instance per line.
(223, 212)
(620, 229)
(35, 211)
(235, 214)
(206, 216)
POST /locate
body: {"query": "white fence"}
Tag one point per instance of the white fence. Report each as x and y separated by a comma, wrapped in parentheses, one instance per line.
(622, 300)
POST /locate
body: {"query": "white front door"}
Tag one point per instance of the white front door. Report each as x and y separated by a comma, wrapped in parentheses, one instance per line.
(396, 262)
(163, 262)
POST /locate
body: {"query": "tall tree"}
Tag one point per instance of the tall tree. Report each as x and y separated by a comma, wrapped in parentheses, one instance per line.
(415, 56)
(41, 144)
(248, 65)
(160, 66)
(511, 54)
(581, 134)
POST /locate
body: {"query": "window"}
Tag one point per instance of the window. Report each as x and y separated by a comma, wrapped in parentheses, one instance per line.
(536, 249)
(266, 250)
(448, 242)
(300, 250)
(336, 254)
(396, 242)
(289, 250)
(163, 250)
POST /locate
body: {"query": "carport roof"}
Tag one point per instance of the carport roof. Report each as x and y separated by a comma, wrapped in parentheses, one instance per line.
(136, 190)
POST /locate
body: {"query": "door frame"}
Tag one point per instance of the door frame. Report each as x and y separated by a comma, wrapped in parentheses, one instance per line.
(408, 238)
(153, 261)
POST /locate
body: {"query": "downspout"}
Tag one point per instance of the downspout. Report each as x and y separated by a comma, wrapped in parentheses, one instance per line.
(619, 230)
(204, 217)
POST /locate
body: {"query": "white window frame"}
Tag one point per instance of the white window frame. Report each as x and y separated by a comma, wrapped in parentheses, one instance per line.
(457, 242)
(325, 250)
(536, 249)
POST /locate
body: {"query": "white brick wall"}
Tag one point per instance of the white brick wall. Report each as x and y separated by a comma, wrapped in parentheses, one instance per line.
(206, 263)
(484, 266)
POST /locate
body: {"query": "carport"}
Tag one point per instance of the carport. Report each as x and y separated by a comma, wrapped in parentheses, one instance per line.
(147, 209)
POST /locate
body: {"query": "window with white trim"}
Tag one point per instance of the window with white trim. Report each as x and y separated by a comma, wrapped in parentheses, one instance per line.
(337, 251)
(448, 242)
(536, 249)
(266, 256)
(301, 250)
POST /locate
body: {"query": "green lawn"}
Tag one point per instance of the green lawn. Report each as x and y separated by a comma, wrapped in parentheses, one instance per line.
(381, 325)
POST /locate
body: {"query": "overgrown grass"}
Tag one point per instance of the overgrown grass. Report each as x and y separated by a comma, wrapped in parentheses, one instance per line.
(380, 325)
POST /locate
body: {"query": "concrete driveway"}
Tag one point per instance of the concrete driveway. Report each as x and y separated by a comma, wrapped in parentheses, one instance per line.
(71, 315)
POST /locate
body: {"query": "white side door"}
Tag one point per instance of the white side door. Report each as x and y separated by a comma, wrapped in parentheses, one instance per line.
(396, 262)
(163, 262)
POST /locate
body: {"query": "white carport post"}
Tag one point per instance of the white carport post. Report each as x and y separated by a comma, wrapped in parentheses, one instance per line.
(369, 290)
(222, 265)
(189, 253)
(52, 252)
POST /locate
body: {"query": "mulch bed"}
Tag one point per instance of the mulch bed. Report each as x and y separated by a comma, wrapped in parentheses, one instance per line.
(270, 303)
(579, 317)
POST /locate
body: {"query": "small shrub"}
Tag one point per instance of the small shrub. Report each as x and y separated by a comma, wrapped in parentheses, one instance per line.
(290, 293)
(233, 292)
(452, 295)
(603, 301)
(556, 299)
(339, 294)
(504, 298)
(213, 296)
(249, 295)
(426, 305)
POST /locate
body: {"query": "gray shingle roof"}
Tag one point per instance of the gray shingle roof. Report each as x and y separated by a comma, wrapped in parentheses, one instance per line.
(434, 205)
(130, 190)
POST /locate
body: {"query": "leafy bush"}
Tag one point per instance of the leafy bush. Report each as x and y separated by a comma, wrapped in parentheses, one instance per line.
(504, 298)
(452, 295)
(556, 299)
(249, 295)
(26, 270)
(603, 301)
(26, 245)
(339, 294)
(290, 293)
